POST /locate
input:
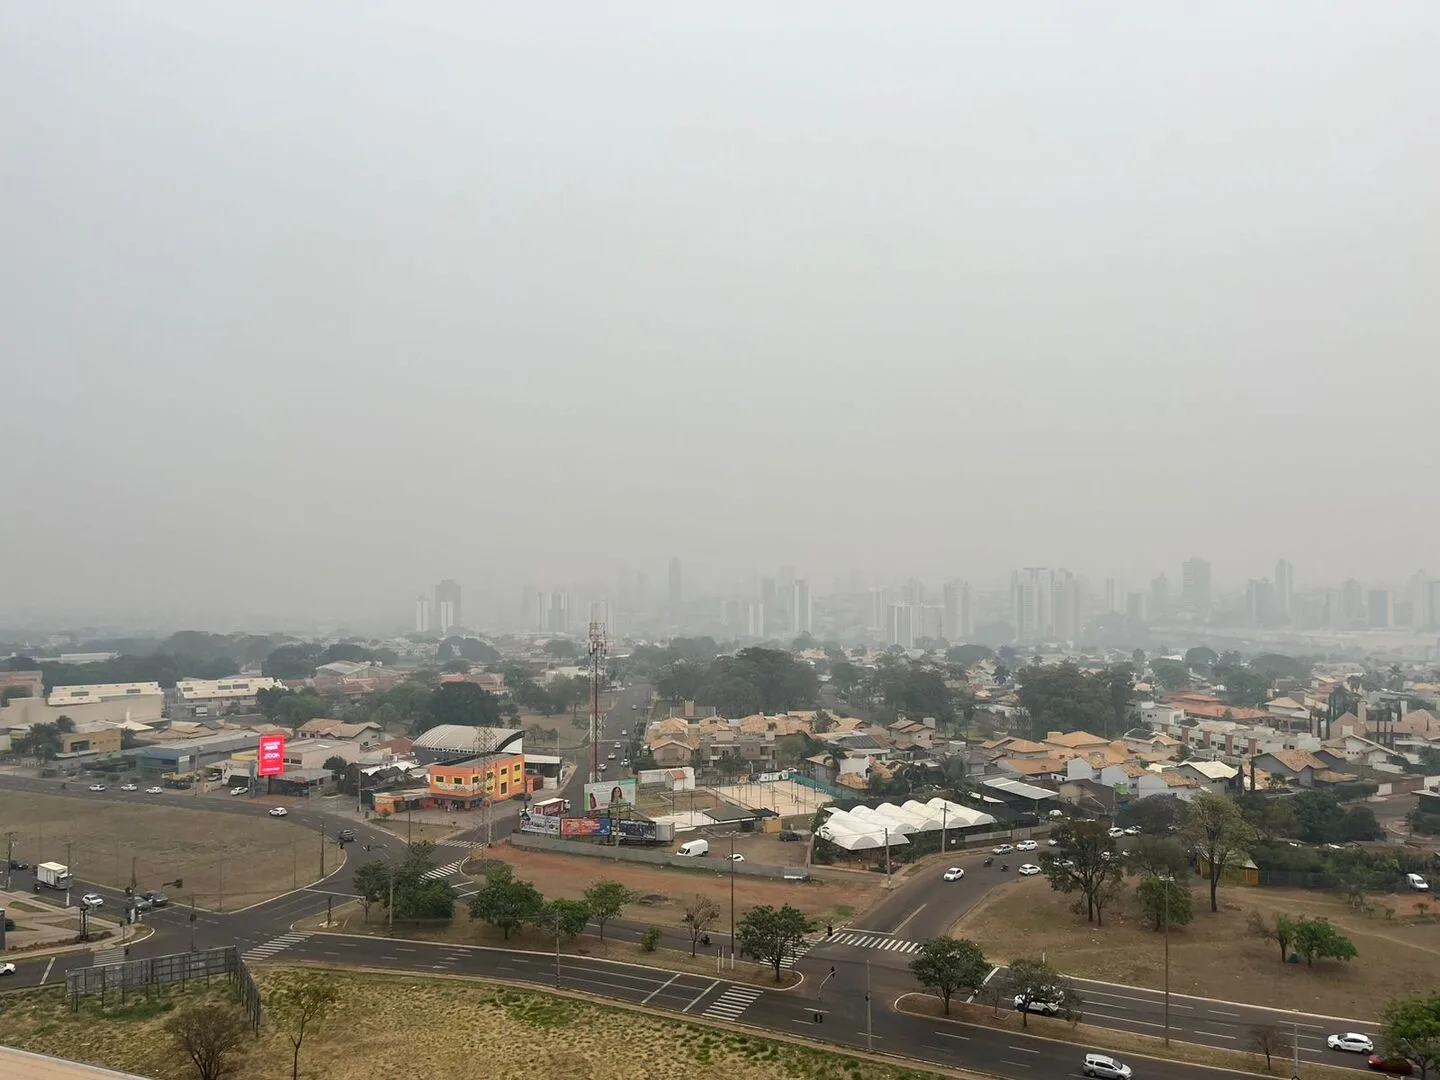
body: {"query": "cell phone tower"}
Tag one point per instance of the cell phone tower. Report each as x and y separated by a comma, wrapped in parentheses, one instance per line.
(597, 663)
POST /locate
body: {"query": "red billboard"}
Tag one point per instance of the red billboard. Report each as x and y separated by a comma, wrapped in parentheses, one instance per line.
(272, 755)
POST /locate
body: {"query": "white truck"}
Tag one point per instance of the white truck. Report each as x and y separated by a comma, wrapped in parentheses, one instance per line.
(54, 875)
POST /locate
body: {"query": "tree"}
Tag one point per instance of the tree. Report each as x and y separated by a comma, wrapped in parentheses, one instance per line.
(346, 651)
(562, 649)
(700, 915)
(569, 917)
(770, 935)
(1410, 1028)
(300, 1004)
(1201, 658)
(335, 764)
(1317, 939)
(506, 902)
(1084, 860)
(1165, 901)
(1157, 856)
(1270, 816)
(212, 1036)
(1171, 674)
(1060, 697)
(945, 965)
(292, 662)
(41, 741)
(1155, 815)
(1031, 980)
(64, 725)
(10, 693)
(463, 703)
(1219, 836)
(372, 882)
(1284, 932)
(425, 900)
(607, 899)
(966, 655)
(1270, 1040)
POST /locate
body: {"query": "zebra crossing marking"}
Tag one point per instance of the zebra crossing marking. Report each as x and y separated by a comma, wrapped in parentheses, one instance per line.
(108, 956)
(440, 873)
(270, 948)
(733, 1002)
(883, 942)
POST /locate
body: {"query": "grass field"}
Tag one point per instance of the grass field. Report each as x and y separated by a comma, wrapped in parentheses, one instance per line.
(1216, 955)
(228, 860)
(469, 1029)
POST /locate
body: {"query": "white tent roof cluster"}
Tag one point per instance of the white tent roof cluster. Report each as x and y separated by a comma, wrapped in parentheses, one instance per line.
(862, 828)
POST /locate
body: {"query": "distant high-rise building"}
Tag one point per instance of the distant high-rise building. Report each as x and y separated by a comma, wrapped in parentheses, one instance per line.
(1115, 599)
(557, 621)
(754, 620)
(422, 614)
(642, 590)
(1135, 607)
(1352, 603)
(1030, 603)
(1284, 589)
(677, 592)
(902, 619)
(932, 621)
(1419, 596)
(1261, 602)
(1195, 586)
(881, 600)
(1433, 605)
(447, 605)
(802, 618)
(1065, 606)
(1379, 608)
(1159, 597)
(769, 594)
(959, 611)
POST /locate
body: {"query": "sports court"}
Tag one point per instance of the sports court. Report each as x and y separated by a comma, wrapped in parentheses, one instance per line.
(785, 797)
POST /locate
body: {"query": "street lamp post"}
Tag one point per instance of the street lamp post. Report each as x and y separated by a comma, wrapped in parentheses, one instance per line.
(732, 901)
(869, 1030)
(1167, 960)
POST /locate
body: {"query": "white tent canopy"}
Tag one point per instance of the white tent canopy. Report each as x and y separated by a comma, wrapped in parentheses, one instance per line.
(845, 830)
(957, 816)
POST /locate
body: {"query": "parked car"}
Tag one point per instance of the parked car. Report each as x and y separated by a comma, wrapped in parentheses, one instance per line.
(789, 836)
(7, 968)
(737, 857)
(154, 791)
(1133, 830)
(97, 787)
(128, 787)
(239, 791)
(1351, 1041)
(278, 811)
(955, 873)
(1105, 1067)
(1026, 845)
(1416, 882)
(1028, 869)
(1115, 834)
(1003, 849)
(92, 900)
(1397, 1066)
(1037, 1005)
(1052, 843)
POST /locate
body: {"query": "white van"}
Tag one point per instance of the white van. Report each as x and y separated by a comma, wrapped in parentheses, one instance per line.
(694, 848)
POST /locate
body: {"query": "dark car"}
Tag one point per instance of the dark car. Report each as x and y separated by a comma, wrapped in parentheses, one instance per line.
(1398, 1066)
(155, 899)
(18, 865)
(142, 904)
(346, 836)
(789, 835)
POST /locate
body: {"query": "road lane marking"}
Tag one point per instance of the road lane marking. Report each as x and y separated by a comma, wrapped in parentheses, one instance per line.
(1218, 1012)
(48, 966)
(1023, 1049)
(1214, 1034)
(906, 921)
(950, 1035)
(659, 988)
(701, 995)
(1124, 1019)
(1017, 1064)
(1143, 1001)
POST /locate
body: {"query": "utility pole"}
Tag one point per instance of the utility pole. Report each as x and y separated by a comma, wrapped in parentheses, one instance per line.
(557, 950)
(9, 857)
(1167, 961)
(390, 909)
(322, 849)
(597, 656)
(732, 900)
(192, 921)
(887, 856)
(944, 817)
(132, 874)
(869, 1030)
(220, 901)
(69, 872)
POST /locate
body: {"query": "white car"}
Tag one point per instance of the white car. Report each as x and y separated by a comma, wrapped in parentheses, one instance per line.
(1353, 1041)
(1044, 1008)
(1003, 849)
(97, 787)
(154, 791)
(128, 787)
(91, 899)
(624, 734)
(1115, 834)
(1026, 845)
(609, 757)
(278, 811)
(1052, 843)
(1028, 869)
(737, 857)
(602, 766)
(7, 969)
(617, 746)
(1416, 882)
(1105, 1067)
(955, 873)
(1133, 830)
(239, 791)
(625, 762)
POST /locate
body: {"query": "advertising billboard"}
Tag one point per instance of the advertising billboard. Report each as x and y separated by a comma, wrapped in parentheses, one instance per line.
(579, 826)
(546, 824)
(607, 792)
(272, 755)
(645, 832)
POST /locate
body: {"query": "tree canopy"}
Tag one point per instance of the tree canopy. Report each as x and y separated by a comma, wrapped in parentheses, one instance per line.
(1084, 860)
(1219, 835)
(1410, 1029)
(946, 965)
(1060, 697)
(753, 680)
(770, 935)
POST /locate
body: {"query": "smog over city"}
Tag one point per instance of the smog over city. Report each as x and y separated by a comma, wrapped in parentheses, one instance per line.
(654, 311)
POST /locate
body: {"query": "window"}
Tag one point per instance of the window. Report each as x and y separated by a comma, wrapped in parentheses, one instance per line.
(133, 690)
(503, 787)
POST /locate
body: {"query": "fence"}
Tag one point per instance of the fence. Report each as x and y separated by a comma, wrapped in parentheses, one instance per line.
(824, 788)
(654, 858)
(132, 976)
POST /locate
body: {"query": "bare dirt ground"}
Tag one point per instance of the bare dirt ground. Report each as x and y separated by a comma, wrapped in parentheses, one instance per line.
(479, 1031)
(225, 859)
(785, 797)
(1217, 955)
(665, 891)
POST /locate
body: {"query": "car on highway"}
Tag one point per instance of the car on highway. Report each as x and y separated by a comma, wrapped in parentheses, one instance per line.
(97, 787)
(1003, 849)
(601, 767)
(1026, 845)
(91, 900)
(1352, 1041)
(624, 734)
(140, 904)
(129, 787)
(154, 791)
(278, 811)
(345, 836)
(157, 899)
(609, 757)
(1105, 1067)
(239, 791)
(1037, 1005)
(737, 857)
(1115, 834)
(7, 969)
(955, 873)
(634, 708)
(16, 864)
(625, 762)
(1028, 869)
(1396, 1066)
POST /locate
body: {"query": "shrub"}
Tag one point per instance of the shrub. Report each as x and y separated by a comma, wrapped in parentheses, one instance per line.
(650, 940)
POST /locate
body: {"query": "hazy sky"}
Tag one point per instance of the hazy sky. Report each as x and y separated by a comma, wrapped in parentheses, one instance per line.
(313, 304)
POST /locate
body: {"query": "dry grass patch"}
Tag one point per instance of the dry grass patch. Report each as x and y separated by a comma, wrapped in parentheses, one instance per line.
(1215, 956)
(416, 832)
(232, 860)
(474, 1030)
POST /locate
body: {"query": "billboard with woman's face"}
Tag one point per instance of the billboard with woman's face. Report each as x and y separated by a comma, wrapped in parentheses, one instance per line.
(610, 792)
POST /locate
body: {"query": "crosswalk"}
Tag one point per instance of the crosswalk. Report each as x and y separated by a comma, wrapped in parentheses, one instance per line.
(440, 873)
(799, 951)
(454, 843)
(108, 956)
(270, 948)
(733, 1002)
(884, 942)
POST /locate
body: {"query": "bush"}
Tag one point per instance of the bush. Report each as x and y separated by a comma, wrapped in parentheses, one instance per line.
(650, 940)
(1361, 789)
